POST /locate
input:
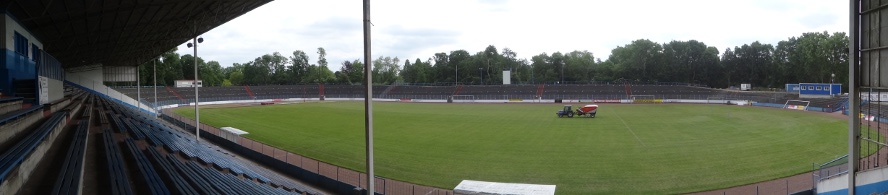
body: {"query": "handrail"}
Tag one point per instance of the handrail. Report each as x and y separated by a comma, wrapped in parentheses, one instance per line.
(819, 175)
(834, 160)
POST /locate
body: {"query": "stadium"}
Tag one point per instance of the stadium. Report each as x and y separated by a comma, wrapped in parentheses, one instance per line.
(72, 122)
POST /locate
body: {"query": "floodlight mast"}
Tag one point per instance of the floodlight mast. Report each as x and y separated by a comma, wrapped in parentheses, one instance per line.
(194, 43)
(368, 99)
(853, 94)
(154, 66)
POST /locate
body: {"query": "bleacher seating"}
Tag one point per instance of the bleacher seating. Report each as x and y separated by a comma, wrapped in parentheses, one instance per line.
(150, 178)
(214, 93)
(285, 91)
(350, 91)
(420, 92)
(173, 178)
(71, 173)
(10, 104)
(164, 97)
(672, 91)
(156, 134)
(13, 123)
(590, 91)
(18, 161)
(499, 91)
(114, 162)
(549, 91)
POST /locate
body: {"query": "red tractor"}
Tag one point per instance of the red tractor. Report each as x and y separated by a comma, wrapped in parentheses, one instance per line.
(587, 110)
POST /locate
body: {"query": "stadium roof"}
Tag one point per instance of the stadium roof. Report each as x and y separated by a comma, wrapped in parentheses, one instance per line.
(120, 32)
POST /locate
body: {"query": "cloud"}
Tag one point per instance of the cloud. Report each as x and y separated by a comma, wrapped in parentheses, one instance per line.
(413, 42)
(418, 29)
(818, 20)
(329, 29)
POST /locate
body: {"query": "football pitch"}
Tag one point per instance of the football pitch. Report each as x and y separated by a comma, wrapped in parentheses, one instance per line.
(626, 149)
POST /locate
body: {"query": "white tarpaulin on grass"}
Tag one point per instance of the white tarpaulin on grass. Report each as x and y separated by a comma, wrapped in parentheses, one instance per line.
(484, 188)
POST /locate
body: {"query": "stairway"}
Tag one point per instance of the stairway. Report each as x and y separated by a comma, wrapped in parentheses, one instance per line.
(27, 89)
(628, 90)
(540, 89)
(458, 88)
(175, 93)
(321, 91)
(388, 90)
(249, 92)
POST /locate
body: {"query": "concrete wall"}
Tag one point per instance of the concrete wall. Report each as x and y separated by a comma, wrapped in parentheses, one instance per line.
(85, 82)
(874, 181)
(11, 26)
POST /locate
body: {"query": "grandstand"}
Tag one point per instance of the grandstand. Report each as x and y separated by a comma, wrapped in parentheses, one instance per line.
(62, 131)
(154, 155)
(137, 153)
(486, 92)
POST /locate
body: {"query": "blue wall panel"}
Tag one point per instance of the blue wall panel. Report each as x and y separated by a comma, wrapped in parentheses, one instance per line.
(819, 89)
(15, 67)
(792, 88)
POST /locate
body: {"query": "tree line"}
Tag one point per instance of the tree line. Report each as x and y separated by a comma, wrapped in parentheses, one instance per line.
(811, 57)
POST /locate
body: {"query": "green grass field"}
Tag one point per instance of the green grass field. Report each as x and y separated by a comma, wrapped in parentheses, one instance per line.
(626, 149)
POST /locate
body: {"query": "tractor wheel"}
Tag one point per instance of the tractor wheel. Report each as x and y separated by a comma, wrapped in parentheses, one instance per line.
(570, 115)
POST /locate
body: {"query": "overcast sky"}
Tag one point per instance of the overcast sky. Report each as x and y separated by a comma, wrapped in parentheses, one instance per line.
(411, 29)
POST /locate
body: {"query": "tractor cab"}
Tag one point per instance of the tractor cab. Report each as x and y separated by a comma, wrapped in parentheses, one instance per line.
(567, 111)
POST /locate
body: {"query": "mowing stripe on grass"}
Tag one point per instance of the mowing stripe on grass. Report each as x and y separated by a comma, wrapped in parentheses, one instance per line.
(692, 147)
(630, 130)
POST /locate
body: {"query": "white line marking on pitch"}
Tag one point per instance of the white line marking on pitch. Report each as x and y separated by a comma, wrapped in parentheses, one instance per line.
(630, 130)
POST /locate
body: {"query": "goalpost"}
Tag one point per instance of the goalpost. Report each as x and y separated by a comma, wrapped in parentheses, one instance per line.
(796, 104)
(644, 99)
(463, 98)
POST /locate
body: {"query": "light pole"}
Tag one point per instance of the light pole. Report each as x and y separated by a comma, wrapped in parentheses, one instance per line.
(832, 79)
(154, 66)
(368, 100)
(196, 100)
(456, 74)
(138, 88)
(562, 73)
(481, 72)
(489, 54)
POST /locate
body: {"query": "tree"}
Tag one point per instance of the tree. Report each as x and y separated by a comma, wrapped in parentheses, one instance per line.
(811, 57)
(579, 66)
(351, 72)
(751, 63)
(300, 68)
(170, 68)
(385, 70)
(638, 61)
(256, 74)
(688, 61)
(211, 74)
(460, 61)
(408, 73)
(543, 71)
(443, 71)
(236, 78)
(318, 73)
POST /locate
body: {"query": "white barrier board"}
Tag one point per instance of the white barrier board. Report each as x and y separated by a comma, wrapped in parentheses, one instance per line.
(484, 188)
